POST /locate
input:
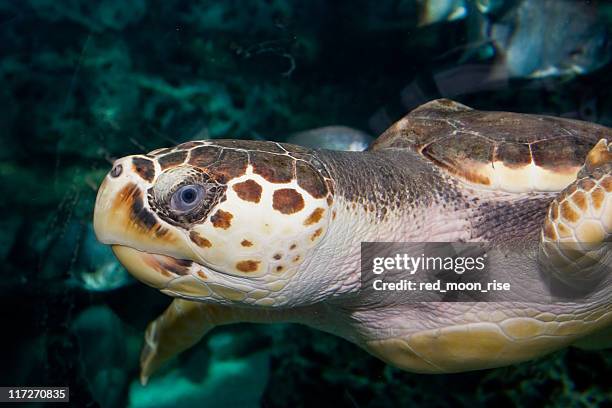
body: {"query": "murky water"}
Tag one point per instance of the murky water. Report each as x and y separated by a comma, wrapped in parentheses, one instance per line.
(85, 82)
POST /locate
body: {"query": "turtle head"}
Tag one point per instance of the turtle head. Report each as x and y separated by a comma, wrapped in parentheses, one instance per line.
(224, 220)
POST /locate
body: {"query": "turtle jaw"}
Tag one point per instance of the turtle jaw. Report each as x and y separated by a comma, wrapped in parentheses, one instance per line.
(176, 277)
(151, 269)
(165, 273)
(122, 216)
(182, 278)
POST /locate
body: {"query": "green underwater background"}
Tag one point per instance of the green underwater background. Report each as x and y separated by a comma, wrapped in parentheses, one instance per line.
(85, 82)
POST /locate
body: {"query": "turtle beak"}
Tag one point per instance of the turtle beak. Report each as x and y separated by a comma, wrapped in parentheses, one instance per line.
(154, 270)
(153, 251)
(174, 277)
(123, 216)
(101, 208)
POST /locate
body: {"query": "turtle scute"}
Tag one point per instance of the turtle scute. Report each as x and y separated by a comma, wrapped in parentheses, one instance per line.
(503, 151)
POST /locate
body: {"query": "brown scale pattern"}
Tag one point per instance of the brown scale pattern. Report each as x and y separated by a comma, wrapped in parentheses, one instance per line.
(227, 159)
(597, 196)
(580, 200)
(586, 184)
(513, 155)
(230, 164)
(144, 168)
(549, 230)
(316, 234)
(462, 140)
(248, 190)
(248, 266)
(204, 156)
(142, 218)
(560, 153)
(199, 240)
(129, 206)
(272, 167)
(310, 180)
(574, 201)
(287, 201)
(568, 213)
(172, 159)
(221, 219)
(607, 183)
(315, 216)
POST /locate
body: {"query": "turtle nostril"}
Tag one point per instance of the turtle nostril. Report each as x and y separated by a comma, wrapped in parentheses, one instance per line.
(116, 170)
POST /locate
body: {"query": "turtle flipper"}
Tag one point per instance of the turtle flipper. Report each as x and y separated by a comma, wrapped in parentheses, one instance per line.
(185, 322)
(577, 231)
(181, 326)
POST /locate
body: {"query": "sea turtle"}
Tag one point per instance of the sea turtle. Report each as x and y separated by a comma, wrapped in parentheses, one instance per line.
(255, 231)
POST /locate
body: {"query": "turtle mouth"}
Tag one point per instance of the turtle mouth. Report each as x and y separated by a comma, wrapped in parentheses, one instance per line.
(157, 270)
(176, 277)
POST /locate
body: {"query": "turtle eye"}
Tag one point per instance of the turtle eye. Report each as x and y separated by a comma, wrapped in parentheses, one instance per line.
(187, 198)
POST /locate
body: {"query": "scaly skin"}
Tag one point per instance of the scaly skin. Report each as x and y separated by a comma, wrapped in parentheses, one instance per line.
(277, 238)
(451, 337)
